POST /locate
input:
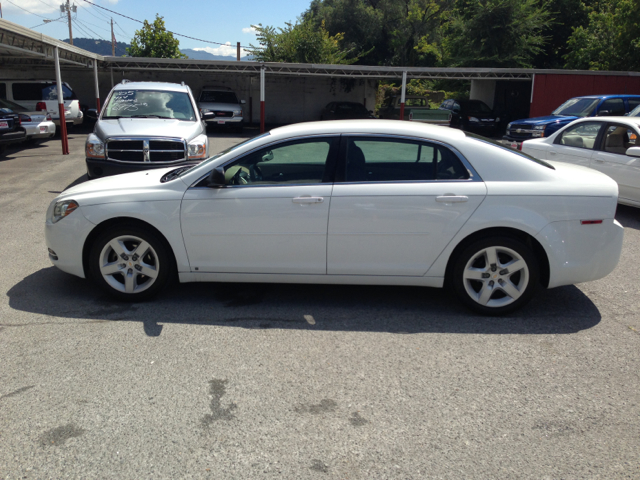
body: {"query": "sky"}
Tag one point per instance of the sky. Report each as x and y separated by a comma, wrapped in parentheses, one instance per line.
(221, 21)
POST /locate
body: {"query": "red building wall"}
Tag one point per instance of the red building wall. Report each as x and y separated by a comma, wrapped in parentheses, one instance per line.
(552, 90)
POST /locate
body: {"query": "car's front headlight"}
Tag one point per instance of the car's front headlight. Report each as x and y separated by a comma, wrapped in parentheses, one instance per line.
(473, 119)
(94, 147)
(198, 147)
(63, 209)
(237, 113)
(509, 127)
(497, 119)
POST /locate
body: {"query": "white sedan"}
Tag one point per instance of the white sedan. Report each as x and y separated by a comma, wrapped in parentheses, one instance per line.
(38, 124)
(608, 144)
(346, 202)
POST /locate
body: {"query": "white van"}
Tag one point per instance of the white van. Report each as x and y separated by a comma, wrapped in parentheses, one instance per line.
(42, 95)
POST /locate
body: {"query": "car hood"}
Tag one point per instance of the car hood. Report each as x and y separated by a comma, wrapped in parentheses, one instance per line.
(147, 127)
(545, 120)
(219, 106)
(141, 186)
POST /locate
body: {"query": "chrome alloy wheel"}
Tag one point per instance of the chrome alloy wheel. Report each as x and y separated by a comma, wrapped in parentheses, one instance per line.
(129, 264)
(496, 276)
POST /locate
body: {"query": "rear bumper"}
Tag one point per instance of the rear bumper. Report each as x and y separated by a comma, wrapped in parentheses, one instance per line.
(103, 168)
(581, 253)
(40, 131)
(12, 137)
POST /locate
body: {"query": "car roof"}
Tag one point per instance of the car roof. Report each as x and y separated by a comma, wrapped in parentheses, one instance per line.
(603, 97)
(370, 126)
(173, 87)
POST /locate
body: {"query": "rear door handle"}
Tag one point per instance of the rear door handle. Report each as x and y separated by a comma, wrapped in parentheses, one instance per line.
(308, 200)
(452, 198)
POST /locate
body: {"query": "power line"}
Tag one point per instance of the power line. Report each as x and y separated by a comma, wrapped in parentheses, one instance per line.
(78, 22)
(173, 33)
(24, 9)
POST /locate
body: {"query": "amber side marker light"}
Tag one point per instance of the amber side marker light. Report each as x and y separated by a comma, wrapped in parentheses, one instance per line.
(590, 222)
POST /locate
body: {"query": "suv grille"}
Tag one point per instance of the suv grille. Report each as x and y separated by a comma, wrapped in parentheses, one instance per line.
(220, 113)
(524, 134)
(146, 150)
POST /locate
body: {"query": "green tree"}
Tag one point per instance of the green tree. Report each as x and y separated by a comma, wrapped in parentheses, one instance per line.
(300, 43)
(496, 33)
(610, 40)
(153, 40)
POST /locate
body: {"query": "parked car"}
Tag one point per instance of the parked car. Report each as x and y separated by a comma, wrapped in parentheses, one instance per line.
(416, 109)
(42, 96)
(10, 129)
(345, 111)
(410, 204)
(38, 125)
(608, 144)
(220, 106)
(572, 109)
(472, 116)
(146, 125)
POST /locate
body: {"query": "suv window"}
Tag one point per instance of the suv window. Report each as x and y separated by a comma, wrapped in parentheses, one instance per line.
(40, 91)
(618, 138)
(218, 97)
(633, 102)
(298, 162)
(149, 104)
(582, 135)
(388, 160)
(615, 107)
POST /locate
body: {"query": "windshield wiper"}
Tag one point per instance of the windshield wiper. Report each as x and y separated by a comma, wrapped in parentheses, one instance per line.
(146, 116)
(167, 177)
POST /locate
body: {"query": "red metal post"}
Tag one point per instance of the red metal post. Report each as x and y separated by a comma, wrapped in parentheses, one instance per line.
(402, 111)
(63, 120)
(261, 117)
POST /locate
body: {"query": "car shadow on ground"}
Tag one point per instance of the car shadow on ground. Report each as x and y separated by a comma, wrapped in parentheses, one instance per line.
(51, 292)
(629, 217)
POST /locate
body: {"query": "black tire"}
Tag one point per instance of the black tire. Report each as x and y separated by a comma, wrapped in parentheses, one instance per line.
(128, 282)
(498, 290)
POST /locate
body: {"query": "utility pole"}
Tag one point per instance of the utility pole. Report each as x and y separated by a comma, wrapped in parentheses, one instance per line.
(113, 41)
(66, 7)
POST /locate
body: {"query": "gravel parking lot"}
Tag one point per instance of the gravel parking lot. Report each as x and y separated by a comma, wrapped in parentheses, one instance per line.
(242, 381)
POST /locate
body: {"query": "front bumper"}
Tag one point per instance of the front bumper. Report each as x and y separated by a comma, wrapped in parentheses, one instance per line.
(222, 121)
(66, 239)
(103, 168)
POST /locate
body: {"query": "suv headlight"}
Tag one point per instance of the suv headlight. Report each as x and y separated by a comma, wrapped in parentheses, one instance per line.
(539, 127)
(473, 119)
(62, 209)
(509, 127)
(237, 113)
(94, 147)
(198, 147)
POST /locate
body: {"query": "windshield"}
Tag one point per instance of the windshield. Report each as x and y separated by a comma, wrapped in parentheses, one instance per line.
(224, 152)
(4, 103)
(149, 104)
(351, 107)
(475, 106)
(577, 107)
(508, 149)
(218, 97)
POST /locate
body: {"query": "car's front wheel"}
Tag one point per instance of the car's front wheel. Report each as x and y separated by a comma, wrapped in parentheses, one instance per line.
(131, 262)
(495, 275)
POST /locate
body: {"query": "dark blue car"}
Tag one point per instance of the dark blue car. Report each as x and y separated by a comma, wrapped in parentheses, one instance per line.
(577, 107)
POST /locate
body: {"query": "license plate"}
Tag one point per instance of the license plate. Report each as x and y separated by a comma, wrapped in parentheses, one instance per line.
(514, 145)
(221, 122)
(4, 124)
(43, 129)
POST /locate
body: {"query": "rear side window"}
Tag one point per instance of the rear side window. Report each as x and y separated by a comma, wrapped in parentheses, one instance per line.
(618, 138)
(633, 102)
(582, 135)
(388, 160)
(40, 91)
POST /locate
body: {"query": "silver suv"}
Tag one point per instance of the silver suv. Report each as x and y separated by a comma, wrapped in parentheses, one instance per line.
(146, 125)
(220, 106)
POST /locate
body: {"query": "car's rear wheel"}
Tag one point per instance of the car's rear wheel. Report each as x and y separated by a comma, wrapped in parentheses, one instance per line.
(496, 275)
(131, 262)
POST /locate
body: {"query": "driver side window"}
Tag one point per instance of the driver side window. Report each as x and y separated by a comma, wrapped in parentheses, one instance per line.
(293, 163)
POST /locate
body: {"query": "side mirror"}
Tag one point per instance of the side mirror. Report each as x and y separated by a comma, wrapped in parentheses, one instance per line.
(603, 113)
(216, 178)
(633, 152)
(243, 102)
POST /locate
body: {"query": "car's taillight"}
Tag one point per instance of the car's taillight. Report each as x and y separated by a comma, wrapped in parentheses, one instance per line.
(23, 118)
(48, 117)
(590, 222)
(41, 107)
(520, 146)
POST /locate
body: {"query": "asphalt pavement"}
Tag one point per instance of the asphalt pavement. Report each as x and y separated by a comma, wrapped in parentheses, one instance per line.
(244, 381)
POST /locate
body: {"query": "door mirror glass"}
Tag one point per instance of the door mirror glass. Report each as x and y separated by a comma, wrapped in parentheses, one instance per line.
(603, 113)
(216, 178)
(243, 102)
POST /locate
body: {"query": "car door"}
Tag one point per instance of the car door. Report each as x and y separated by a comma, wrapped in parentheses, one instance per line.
(396, 204)
(576, 143)
(272, 215)
(612, 160)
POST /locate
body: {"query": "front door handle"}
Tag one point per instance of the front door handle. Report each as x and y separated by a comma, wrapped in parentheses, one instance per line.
(308, 200)
(598, 160)
(452, 198)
